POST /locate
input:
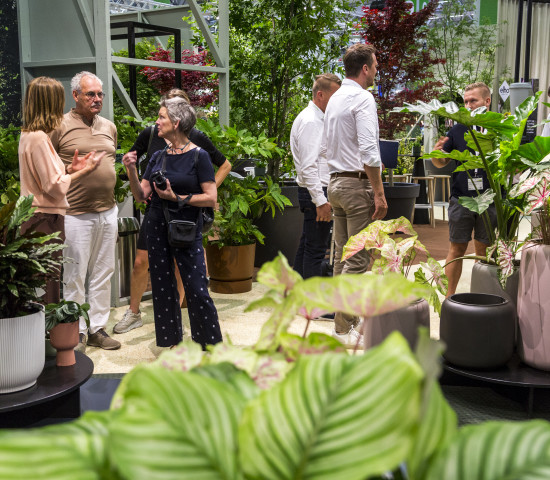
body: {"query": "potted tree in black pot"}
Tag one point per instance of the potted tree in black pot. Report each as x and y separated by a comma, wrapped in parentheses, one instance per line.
(27, 262)
(401, 196)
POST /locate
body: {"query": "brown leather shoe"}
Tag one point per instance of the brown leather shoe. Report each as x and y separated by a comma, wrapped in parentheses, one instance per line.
(102, 340)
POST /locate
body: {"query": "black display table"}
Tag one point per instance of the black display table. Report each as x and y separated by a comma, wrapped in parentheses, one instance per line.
(514, 374)
(56, 394)
(421, 215)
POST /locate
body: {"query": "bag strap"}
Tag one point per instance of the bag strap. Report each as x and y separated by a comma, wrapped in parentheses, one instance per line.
(195, 161)
(151, 135)
(181, 202)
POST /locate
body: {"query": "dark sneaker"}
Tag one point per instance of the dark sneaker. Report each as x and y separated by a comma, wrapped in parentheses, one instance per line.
(102, 340)
(81, 347)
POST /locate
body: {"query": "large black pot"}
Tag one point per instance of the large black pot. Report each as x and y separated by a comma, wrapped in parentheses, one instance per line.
(478, 329)
(282, 232)
(405, 320)
(401, 198)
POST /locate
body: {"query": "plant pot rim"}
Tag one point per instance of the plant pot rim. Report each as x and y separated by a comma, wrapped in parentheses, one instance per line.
(498, 301)
(215, 244)
(36, 307)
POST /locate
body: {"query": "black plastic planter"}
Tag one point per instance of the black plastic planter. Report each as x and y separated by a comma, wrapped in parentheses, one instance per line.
(478, 329)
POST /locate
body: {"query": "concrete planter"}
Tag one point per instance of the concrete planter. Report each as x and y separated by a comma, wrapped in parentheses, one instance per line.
(534, 306)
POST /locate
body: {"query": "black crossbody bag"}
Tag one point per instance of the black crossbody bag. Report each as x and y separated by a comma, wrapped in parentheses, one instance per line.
(182, 233)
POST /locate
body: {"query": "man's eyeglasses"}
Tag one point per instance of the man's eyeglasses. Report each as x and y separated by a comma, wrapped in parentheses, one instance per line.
(92, 95)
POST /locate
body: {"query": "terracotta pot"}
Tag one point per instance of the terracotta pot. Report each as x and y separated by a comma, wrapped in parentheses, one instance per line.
(230, 268)
(405, 320)
(64, 337)
(22, 352)
(534, 306)
(478, 329)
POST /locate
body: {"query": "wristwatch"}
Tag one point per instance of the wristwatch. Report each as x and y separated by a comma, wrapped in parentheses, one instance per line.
(184, 201)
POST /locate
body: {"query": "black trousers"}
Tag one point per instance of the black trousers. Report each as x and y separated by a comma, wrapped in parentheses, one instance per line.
(203, 315)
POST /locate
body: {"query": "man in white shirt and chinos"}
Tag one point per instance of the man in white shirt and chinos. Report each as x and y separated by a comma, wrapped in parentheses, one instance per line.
(312, 177)
(350, 146)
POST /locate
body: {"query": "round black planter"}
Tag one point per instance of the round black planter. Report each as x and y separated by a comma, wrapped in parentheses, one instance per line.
(478, 330)
(401, 198)
(282, 232)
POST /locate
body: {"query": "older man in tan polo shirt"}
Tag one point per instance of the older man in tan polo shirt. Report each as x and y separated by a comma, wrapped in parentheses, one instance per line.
(91, 221)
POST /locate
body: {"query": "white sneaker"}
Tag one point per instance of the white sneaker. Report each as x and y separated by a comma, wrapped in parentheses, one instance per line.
(350, 339)
(129, 321)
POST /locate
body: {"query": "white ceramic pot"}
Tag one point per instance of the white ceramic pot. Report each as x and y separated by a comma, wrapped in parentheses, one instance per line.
(22, 354)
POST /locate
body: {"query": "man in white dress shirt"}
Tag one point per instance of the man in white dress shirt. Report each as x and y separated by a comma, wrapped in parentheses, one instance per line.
(312, 178)
(350, 146)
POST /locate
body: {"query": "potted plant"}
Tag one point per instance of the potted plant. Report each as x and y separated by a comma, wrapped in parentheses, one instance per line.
(401, 196)
(230, 247)
(27, 261)
(396, 254)
(534, 275)
(62, 325)
(249, 155)
(288, 407)
(501, 154)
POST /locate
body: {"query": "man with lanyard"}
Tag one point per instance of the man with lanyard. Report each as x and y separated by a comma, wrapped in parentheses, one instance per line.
(463, 221)
(312, 177)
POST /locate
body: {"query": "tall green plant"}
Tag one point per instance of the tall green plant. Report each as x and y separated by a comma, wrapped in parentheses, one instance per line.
(27, 260)
(276, 49)
(500, 153)
(467, 47)
(9, 164)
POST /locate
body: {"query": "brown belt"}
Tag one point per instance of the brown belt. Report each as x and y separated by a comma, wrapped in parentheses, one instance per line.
(358, 175)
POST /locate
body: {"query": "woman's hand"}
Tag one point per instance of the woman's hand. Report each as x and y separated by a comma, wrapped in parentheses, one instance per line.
(167, 194)
(88, 162)
(93, 160)
(130, 159)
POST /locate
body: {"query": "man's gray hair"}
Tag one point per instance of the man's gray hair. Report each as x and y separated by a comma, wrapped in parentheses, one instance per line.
(179, 109)
(75, 81)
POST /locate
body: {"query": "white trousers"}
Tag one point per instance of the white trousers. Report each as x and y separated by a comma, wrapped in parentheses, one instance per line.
(90, 240)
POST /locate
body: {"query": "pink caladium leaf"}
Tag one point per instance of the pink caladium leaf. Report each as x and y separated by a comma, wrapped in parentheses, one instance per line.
(359, 294)
(524, 186)
(394, 258)
(506, 252)
(436, 274)
(538, 196)
(278, 275)
(373, 236)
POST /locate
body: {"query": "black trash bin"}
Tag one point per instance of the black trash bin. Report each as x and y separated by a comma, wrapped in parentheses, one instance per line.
(128, 229)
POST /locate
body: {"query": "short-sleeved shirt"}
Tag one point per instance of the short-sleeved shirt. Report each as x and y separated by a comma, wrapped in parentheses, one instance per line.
(184, 177)
(200, 139)
(460, 180)
(94, 192)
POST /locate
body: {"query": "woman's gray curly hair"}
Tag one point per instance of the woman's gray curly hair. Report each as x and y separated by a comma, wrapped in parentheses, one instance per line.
(179, 109)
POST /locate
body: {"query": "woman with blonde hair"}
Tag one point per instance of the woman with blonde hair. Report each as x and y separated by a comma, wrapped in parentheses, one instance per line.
(42, 172)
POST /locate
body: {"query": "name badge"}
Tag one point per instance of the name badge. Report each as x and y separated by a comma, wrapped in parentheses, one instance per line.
(475, 183)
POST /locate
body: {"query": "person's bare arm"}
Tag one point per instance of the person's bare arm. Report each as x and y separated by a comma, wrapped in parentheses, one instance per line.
(441, 162)
(222, 172)
(380, 204)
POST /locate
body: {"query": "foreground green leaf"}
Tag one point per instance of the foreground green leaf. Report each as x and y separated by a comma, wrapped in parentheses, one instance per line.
(335, 416)
(176, 425)
(496, 451)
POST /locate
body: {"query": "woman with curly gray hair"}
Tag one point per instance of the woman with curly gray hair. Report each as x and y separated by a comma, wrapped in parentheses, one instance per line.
(189, 185)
